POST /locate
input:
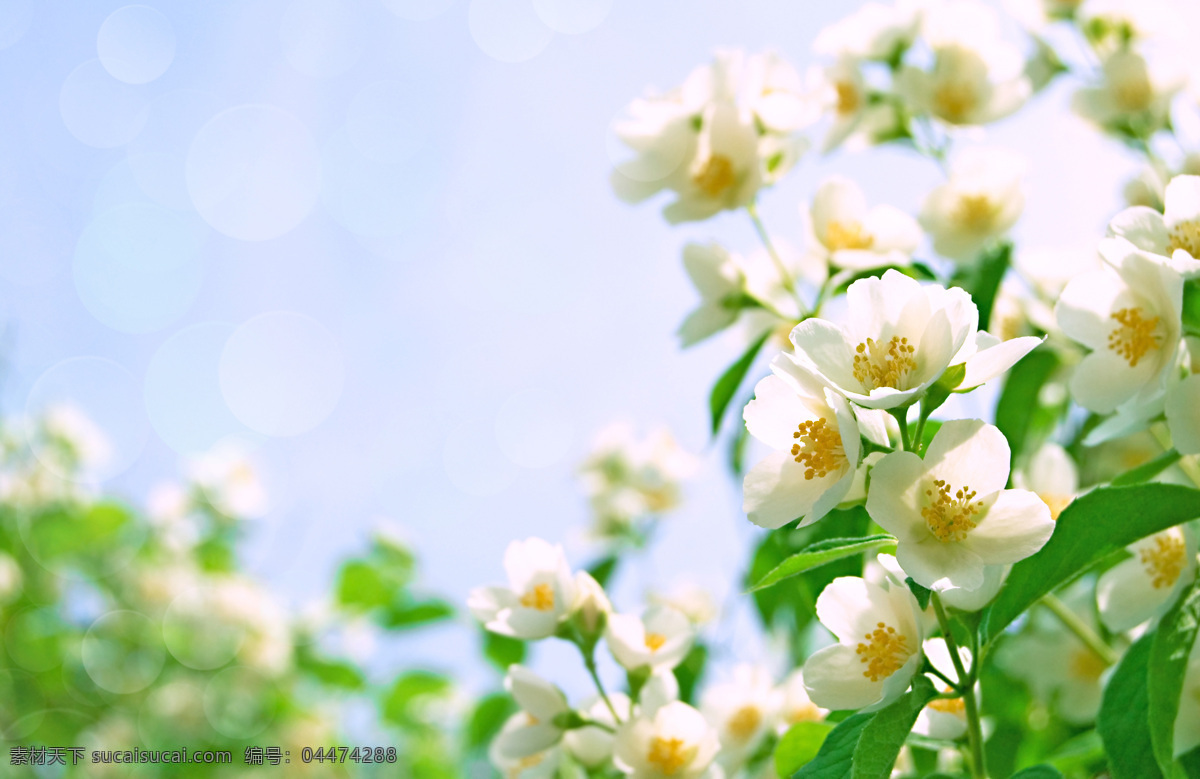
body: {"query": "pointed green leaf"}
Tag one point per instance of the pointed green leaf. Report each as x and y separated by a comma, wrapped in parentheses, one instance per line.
(1038, 772)
(726, 386)
(1124, 717)
(1172, 644)
(1020, 395)
(821, 553)
(800, 745)
(836, 754)
(882, 738)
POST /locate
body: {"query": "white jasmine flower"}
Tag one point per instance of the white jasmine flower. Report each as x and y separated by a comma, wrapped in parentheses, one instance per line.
(844, 232)
(816, 443)
(724, 173)
(974, 600)
(676, 742)
(1129, 315)
(879, 633)
(541, 702)
(1174, 234)
(875, 31)
(592, 746)
(944, 719)
(541, 765)
(1134, 95)
(986, 357)
(776, 95)
(743, 711)
(1114, 24)
(899, 338)
(722, 287)
(83, 445)
(539, 595)
(980, 202)
(230, 481)
(1052, 475)
(592, 603)
(1146, 584)
(1187, 720)
(950, 512)
(795, 705)
(660, 689)
(1183, 415)
(659, 639)
(858, 117)
(628, 477)
(696, 602)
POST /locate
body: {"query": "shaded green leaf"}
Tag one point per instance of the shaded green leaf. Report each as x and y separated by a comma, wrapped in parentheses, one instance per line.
(602, 570)
(985, 281)
(360, 586)
(799, 745)
(487, 718)
(1038, 772)
(1169, 651)
(885, 734)
(726, 386)
(936, 395)
(1124, 717)
(822, 553)
(834, 758)
(922, 594)
(503, 651)
(1191, 306)
(1020, 395)
(416, 614)
(409, 691)
(1094, 526)
(689, 672)
(1144, 473)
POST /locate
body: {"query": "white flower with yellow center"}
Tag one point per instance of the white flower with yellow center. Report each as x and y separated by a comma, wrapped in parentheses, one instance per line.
(593, 746)
(659, 639)
(627, 476)
(1175, 233)
(844, 232)
(1183, 414)
(879, 645)
(540, 593)
(950, 512)
(946, 718)
(1187, 719)
(743, 710)
(1052, 475)
(841, 92)
(541, 702)
(795, 705)
(722, 286)
(725, 172)
(675, 742)
(1129, 315)
(898, 339)
(776, 94)
(540, 765)
(816, 441)
(876, 31)
(1145, 585)
(1133, 94)
(979, 203)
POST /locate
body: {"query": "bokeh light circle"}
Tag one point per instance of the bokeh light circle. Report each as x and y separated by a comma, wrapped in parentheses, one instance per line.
(534, 429)
(196, 634)
(508, 30)
(281, 373)
(98, 109)
(239, 703)
(16, 16)
(418, 10)
(389, 121)
(321, 38)
(254, 172)
(158, 155)
(105, 404)
(136, 44)
(35, 241)
(123, 652)
(474, 461)
(138, 266)
(572, 16)
(371, 198)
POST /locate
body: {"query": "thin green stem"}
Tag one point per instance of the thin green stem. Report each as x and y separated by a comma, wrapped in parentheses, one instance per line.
(591, 723)
(966, 686)
(590, 662)
(1080, 629)
(901, 417)
(784, 275)
(919, 435)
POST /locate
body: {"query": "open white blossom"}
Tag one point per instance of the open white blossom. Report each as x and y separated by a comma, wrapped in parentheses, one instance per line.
(795, 705)
(660, 689)
(950, 512)
(593, 746)
(1051, 474)
(816, 441)
(844, 232)
(842, 93)
(628, 477)
(1149, 582)
(1129, 315)
(979, 203)
(743, 711)
(541, 702)
(540, 593)
(1182, 408)
(876, 31)
(1134, 95)
(879, 635)
(659, 639)
(675, 742)
(944, 719)
(1174, 234)
(722, 285)
(540, 765)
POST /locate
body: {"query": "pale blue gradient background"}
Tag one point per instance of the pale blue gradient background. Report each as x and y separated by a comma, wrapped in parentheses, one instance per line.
(499, 263)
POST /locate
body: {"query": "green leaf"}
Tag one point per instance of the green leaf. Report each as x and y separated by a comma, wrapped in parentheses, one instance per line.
(836, 754)
(1038, 772)
(333, 673)
(1167, 665)
(487, 718)
(360, 586)
(822, 553)
(690, 670)
(409, 691)
(883, 736)
(922, 594)
(1144, 473)
(1124, 717)
(726, 386)
(416, 614)
(936, 395)
(1020, 395)
(737, 451)
(1191, 306)
(985, 282)
(602, 570)
(799, 745)
(1094, 526)
(503, 651)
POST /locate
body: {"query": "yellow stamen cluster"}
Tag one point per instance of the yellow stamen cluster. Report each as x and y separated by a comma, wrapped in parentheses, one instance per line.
(808, 712)
(524, 764)
(1134, 336)
(1086, 665)
(1133, 94)
(976, 213)
(540, 597)
(670, 754)
(949, 706)
(654, 641)
(744, 723)
(1164, 561)
(847, 235)
(949, 514)
(716, 176)
(820, 448)
(955, 101)
(1056, 503)
(885, 653)
(1186, 236)
(884, 365)
(848, 98)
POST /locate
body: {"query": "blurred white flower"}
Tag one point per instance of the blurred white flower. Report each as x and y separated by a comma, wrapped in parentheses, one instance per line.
(724, 173)
(693, 600)
(1129, 315)
(1149, 582)
(1183, 415)
(950, 512)
(876, 31)
(845, 233)
(1052, 475)
(540, 593)
(898, 339)
(659, 639)
(795, 705)
(879, 633)
(722, 287)
(592, 746)
(1115, 24)
(230, 481)
(1134, 95)
(628, 478)
(82, 444)
(943, 719)
(541, 702)
(676, 742)
(1174, 234)
(979, 203)
(540, 765)
(660, 689)
(591, 603)
(743, 711)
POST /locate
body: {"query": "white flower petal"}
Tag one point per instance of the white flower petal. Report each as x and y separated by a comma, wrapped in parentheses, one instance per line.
(834, 679)
(1143, 227)
(776, 492)
(969, 452)
(1016, 525)
(990, 362)
(895, 494)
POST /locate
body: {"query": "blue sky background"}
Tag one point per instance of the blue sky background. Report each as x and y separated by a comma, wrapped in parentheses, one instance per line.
(429, 278)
